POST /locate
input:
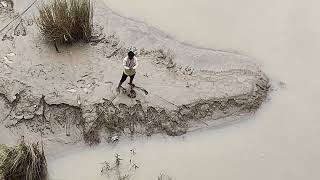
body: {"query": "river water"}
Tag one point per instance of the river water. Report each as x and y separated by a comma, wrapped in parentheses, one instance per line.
(281, 142)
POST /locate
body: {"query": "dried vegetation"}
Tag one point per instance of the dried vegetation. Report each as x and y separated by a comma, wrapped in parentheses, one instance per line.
(23, 161)
(66, 20)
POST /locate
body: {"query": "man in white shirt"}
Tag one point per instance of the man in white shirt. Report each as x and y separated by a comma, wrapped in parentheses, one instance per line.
(130, 64)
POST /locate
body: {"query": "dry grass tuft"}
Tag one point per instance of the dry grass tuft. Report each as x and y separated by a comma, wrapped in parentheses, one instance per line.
(23, 161)
(66, 20)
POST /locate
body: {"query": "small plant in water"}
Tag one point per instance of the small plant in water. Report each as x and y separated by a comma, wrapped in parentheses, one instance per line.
(163, 176)
(119, 170)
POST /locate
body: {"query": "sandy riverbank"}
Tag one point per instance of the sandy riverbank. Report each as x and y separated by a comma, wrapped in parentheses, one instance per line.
(70, 96)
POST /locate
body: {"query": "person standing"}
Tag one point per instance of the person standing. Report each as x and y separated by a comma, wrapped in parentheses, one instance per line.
(130, 64)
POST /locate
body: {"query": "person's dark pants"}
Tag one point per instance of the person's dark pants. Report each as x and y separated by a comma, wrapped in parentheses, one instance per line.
(124, 78)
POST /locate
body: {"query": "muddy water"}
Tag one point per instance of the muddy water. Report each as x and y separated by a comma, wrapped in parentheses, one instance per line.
(280, 142)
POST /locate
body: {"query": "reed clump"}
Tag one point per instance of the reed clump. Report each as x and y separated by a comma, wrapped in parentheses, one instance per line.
(23, 161)
(66, 21)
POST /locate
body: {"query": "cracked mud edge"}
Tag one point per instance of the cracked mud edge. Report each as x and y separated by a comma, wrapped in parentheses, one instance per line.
(92, 123)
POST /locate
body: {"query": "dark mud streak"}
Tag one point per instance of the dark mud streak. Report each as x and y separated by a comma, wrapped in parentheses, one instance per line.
(12, 104)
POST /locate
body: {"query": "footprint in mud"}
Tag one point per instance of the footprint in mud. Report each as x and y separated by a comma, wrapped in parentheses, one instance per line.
(20, 29)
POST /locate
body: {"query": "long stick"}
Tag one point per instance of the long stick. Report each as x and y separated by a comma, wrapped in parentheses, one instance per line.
(18, 16)
(166, 100)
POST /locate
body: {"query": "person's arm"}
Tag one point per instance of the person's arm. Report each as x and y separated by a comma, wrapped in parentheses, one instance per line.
(124, 63)
(135, 62)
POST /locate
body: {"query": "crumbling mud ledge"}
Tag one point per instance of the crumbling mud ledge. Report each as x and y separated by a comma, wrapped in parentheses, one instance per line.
(91, 122)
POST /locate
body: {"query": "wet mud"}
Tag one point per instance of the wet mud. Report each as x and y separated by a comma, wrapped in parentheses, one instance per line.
(64, 102)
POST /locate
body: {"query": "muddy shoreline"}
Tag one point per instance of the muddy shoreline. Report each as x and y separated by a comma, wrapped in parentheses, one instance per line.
(70, 98)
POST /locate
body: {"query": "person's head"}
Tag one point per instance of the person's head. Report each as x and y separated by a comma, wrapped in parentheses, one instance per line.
(130, 54)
